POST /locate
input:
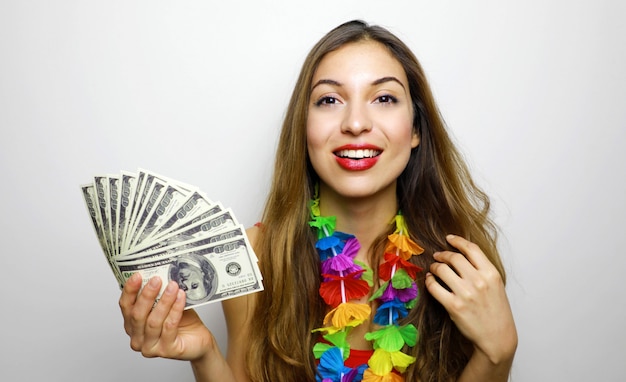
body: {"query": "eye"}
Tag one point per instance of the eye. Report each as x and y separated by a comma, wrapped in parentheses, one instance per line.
(386, 99)
(326, 100)
(195, 285)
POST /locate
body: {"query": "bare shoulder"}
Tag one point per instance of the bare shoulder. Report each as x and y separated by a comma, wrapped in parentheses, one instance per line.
(254, 233)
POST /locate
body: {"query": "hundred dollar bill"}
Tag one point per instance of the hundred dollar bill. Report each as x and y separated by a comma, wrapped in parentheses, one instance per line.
(210, 273)
(195, 207)
(144, 184)
(181, 185)
(206, 227)
(128, 185)
(114, 202)
(133, 205)
(89, 196)
(101, 184)
(145, 221)
(171, 199)
(144, 194)
(152, 194)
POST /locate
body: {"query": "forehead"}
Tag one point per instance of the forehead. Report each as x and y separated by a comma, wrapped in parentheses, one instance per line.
(364, 59)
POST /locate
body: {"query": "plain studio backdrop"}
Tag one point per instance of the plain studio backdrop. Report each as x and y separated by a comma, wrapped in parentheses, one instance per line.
(532, 91)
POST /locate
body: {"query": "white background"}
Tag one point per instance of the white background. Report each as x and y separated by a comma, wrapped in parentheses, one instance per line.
(533, 92)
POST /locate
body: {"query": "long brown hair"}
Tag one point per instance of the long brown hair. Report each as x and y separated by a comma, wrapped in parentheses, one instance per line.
(435, 193)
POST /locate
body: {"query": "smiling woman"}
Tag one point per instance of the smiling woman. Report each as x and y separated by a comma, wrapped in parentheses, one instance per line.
(378, 255)
(360, 102)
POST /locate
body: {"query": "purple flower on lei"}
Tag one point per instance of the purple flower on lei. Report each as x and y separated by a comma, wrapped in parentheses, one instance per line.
(403, 295)
(343, 262)
(335, 242)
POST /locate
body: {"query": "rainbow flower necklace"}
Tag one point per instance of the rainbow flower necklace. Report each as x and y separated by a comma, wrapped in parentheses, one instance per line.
(344, 280)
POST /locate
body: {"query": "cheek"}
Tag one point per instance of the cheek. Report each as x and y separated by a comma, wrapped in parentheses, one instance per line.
(315, 135)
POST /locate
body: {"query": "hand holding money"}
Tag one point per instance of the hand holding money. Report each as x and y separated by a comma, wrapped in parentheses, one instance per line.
(155, 226)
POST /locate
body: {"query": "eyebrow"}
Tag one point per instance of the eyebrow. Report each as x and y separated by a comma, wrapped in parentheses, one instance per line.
(388, 79)
(374, 83)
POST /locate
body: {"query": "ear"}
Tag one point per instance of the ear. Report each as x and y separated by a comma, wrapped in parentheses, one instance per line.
(415, 138)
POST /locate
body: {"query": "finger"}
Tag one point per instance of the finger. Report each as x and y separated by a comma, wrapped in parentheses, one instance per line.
(128, 298)
(129, 292)
(458, 262)
(154, 321)
(473, 253)
(436, 290)
(170, 326)
(140, 311)
(447, 276)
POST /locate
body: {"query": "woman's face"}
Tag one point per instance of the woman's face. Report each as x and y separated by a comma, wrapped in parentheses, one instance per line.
(360, 120)
(191, 281)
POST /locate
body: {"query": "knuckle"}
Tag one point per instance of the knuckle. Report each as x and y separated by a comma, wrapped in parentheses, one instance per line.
(467, 295)
(472, 246)
(136, 316)
(494, 276)
(169, 325)
(481, 285)
(458, 305)
(135, 344)
(122, 303)
(456, 257)
(148, 353)
(152, 323)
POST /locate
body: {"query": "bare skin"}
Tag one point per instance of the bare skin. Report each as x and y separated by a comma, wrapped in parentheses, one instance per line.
(368, 107)
(477, 303)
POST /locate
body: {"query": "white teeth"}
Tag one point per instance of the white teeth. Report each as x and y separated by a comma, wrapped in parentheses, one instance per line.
(358, 154)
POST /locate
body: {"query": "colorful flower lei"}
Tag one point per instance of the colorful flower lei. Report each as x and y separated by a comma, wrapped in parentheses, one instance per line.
(346, 279)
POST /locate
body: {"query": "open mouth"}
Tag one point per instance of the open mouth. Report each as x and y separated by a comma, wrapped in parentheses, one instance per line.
(357, 154)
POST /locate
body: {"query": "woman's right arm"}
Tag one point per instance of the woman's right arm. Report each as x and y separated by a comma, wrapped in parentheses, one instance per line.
(169, 331)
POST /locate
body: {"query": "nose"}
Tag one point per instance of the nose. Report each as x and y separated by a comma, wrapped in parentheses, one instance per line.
(357, 120)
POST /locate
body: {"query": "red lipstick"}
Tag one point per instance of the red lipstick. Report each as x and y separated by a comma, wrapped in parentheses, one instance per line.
(357, 157)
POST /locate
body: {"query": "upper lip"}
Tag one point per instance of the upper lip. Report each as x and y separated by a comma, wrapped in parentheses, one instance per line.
(358, 150)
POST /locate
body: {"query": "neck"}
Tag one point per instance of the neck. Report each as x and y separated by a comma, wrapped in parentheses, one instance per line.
(366, 218)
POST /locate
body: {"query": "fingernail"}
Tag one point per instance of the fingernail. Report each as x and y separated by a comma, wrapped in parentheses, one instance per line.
(134, 277)
(450, 236)
(170, 287)
(154, 282)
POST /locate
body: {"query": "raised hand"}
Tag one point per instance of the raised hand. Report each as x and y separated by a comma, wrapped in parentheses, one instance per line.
(167, 330)
(476, 299)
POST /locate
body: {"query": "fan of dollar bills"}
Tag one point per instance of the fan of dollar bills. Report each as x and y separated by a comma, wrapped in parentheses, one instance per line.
(157, 226)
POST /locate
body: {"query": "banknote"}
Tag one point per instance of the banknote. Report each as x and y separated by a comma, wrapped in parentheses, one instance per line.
(89, 195)
(102, 190)
(129, 183)
(203, 227)
(209, 273)
(153, 225)
(195, 207)
(114, 202)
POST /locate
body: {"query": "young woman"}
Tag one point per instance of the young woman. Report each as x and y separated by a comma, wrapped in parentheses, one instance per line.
(378, 255)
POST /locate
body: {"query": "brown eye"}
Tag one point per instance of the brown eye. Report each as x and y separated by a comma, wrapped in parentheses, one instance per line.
(326, 101)
(386, 99)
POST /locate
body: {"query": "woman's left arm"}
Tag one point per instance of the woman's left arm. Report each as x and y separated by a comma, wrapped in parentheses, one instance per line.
(477, 303)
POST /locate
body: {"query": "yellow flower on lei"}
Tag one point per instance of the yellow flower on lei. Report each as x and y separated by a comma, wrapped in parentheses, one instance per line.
(382, 361)
(347, 314)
